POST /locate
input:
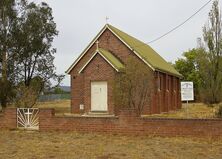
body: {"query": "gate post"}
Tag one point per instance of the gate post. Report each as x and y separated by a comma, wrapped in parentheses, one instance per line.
(45, 114)
(9, 118)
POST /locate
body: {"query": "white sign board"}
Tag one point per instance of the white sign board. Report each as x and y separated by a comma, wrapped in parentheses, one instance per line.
(187, 91)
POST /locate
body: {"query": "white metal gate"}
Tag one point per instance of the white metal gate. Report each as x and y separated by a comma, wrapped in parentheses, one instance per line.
(27, 118)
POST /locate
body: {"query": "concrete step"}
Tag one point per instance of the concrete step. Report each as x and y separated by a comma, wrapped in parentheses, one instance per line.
(99, 114)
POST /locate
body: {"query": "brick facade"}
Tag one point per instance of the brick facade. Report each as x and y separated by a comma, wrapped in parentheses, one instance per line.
(128, 122)
(164, 99)
(102, 72)
(167, 94)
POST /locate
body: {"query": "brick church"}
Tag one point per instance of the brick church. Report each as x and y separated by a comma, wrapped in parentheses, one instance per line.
(94, 70)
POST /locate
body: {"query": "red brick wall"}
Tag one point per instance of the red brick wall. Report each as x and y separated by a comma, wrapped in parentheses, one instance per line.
(77, 93)
(78, 84)
(98, 70)
(8, 119)
(50, 122)
(166, 94)
(129, 123)
(162, 100)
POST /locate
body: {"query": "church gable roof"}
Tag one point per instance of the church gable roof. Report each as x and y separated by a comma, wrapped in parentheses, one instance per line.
(142, 50)
(109, 57)
(146, 52)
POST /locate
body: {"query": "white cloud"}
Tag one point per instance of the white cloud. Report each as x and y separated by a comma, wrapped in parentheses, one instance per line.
(79, 21)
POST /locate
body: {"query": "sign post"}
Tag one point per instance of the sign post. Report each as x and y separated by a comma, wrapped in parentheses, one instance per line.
(187, 93)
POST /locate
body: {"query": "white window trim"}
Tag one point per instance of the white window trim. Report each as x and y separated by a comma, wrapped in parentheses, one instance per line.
(97, 52)
(96, 38)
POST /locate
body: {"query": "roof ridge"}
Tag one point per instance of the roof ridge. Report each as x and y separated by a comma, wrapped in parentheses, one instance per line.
(108, 56)
(146, 52)
(111, 57)
(143, 51)
(111, 52)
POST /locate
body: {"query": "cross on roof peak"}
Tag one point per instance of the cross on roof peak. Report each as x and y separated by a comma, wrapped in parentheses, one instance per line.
(107, 19)
(97, 45)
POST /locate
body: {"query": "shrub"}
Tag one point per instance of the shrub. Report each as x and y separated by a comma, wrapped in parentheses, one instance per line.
(133, 85)
(26, 97)
(219, 111)
(7, 92)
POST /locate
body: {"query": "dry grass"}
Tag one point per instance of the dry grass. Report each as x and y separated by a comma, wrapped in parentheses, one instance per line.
(61, 106)
(193, 110)
(33, 145)
(71, 145)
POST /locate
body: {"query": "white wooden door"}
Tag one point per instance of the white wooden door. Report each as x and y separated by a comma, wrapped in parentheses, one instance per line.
(99, 96)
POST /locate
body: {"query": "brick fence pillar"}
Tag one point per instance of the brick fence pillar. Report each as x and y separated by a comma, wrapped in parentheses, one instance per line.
(10, 118)
(45, 116)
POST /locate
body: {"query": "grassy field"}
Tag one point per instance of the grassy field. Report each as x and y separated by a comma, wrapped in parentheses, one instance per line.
(61, 106)
(72, 145)
(35, 145)
(193, 110)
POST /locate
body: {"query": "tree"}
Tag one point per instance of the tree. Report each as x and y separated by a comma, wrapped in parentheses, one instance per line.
(7, 92)
(58, 90)
(34, 34)
(188, 66)
(204, 65)
(133, 85)
(28, 45)
(27, 96)
(211, 59)
(7, 20)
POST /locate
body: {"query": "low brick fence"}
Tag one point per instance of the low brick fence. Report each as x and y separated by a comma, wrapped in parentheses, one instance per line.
(129, 123)
(182, 127)
(126, 123)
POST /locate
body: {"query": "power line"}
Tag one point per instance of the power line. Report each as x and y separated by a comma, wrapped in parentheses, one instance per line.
(176, 27)
(180, 23)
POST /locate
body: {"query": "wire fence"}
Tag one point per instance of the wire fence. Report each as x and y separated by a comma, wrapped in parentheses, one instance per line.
(54, 97)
